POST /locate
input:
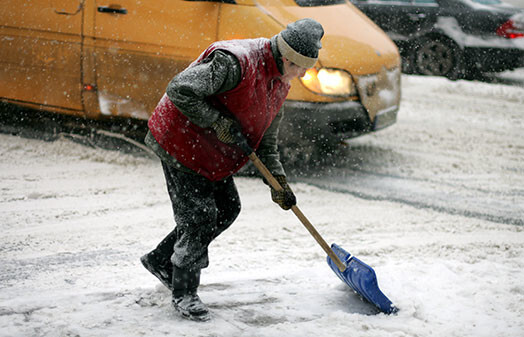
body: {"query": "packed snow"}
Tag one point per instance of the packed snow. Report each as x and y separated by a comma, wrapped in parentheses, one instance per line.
(76, 219)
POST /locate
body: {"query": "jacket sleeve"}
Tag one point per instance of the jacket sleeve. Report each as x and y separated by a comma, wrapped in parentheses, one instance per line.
(188, 90)
(268, 148)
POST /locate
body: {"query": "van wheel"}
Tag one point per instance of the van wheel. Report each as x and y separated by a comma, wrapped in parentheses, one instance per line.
(438, 57)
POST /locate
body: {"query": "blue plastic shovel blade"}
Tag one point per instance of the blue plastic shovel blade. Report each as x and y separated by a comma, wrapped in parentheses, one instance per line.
(361, 278)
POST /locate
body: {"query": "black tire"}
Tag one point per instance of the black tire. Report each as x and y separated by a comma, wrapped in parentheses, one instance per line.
(438, 57)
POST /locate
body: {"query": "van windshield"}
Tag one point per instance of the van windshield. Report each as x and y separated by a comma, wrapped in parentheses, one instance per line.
(317, 3)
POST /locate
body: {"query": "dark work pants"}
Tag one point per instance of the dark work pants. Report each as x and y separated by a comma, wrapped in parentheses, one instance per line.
(203, 209)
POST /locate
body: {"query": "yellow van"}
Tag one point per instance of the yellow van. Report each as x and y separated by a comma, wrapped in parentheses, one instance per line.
(99, 58)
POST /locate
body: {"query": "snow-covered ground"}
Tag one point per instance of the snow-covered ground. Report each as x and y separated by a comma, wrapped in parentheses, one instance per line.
(457, 147)
(76, 219)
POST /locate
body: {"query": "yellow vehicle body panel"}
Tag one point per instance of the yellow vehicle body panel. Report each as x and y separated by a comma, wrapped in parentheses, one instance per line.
(99, 58)
(137, 54)
(40, 52)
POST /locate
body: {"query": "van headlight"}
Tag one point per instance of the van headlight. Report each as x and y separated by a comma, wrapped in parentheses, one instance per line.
(330, 82)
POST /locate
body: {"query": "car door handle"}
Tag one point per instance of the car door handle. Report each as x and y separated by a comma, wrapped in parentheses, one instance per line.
(112, 10)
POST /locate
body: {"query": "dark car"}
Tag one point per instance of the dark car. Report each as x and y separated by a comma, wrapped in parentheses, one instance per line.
(452, 38)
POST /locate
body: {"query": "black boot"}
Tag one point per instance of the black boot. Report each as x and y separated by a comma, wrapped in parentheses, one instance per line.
(185, 298)
(158, 261)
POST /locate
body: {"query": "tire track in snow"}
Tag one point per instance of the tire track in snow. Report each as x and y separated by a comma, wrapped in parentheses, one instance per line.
(423, 194)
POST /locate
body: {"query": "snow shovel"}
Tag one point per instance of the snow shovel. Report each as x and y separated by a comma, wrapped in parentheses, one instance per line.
(352, 271)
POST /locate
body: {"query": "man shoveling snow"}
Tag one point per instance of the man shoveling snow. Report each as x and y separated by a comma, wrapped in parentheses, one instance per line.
(233, 89)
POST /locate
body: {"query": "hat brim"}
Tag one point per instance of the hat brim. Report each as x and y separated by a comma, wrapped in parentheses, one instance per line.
(292, 55)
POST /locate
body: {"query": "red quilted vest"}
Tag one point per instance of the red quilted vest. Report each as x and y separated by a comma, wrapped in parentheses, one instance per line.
(254, 102)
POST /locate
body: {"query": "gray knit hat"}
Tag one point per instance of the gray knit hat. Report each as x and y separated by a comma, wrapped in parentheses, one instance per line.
(300, 42)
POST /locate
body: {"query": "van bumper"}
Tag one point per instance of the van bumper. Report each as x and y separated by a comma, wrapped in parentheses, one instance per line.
(328, 123)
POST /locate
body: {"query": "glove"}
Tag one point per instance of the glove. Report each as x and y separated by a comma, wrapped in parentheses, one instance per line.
(228, 131)
(285, 198)
(225, 128)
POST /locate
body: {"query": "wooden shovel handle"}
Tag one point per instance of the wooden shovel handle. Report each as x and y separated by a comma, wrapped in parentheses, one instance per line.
(274, 183)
